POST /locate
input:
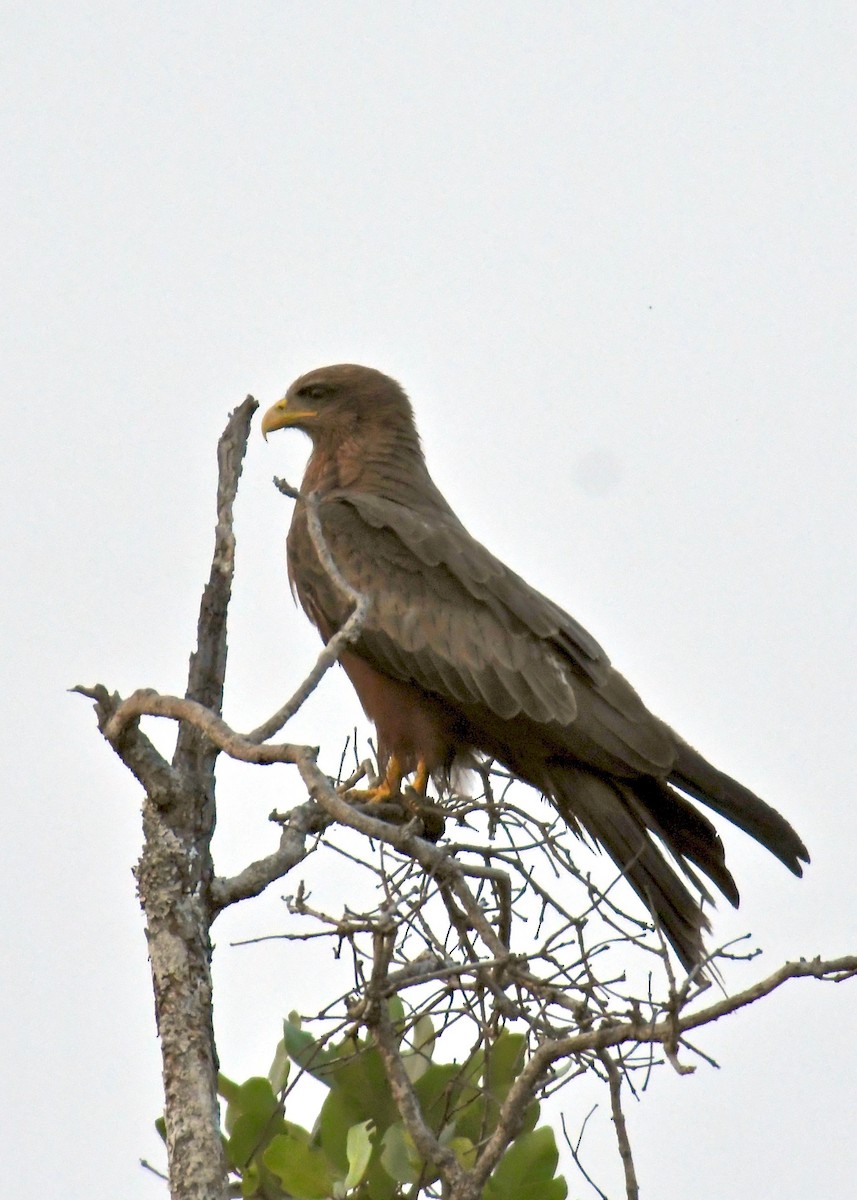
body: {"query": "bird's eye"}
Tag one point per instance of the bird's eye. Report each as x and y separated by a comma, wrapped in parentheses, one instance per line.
(315, 391)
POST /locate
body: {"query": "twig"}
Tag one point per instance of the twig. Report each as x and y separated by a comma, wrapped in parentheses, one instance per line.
(404, 1096)
(147, 1166)
(302, 821)
(575, 1151)
(614, 1081)
(349, 632)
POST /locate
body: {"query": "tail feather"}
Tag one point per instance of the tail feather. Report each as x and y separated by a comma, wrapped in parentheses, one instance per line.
(624, 814)
(687, 832)
(611, 813)
(739, 805)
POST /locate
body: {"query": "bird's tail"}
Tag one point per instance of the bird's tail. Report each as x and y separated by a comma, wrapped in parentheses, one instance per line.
(615, 817)
(692, 774)
(623, 816)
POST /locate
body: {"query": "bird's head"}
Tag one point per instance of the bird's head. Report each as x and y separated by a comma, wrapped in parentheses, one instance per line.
(335, 401)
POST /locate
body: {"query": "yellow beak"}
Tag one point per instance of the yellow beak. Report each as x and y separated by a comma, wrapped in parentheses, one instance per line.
(281, 415)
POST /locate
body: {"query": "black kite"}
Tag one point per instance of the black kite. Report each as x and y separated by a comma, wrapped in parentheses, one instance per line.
(458, 654)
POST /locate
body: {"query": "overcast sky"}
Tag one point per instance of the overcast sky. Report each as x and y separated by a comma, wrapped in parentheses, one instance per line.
(609, 249)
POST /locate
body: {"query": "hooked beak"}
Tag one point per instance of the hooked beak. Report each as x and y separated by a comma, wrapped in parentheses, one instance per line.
(281, 415)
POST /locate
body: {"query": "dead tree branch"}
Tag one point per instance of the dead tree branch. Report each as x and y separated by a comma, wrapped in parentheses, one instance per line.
(175, 870)
(614, 1081)
(301, 823)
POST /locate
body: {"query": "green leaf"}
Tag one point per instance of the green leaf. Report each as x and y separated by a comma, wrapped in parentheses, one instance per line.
(527, 1168)
(464, 1151)
(247, 1138)
(309, 1054)
(161, 1127)
(467, 1105)
(359, 1149)
(397, 1013)
(377, 1185)
(473, 1066)
(253, 1116)
(256, 1095)
(503, 1062)
(250, 1180)
(531, 1117)
(303, 1170)
(437, 1093)
(422, 1040)
(360, 1073)
(278, 1075)
(227, 1088)
(488, 1075)
(338, 1113)
(398, 1155)
(552, 1189)
(423, 1035)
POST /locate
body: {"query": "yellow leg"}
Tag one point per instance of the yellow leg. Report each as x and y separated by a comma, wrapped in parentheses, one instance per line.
(421, 778)
(390, 784)
(386, 789)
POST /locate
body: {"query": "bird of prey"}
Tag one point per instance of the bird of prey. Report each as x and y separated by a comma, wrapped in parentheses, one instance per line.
(459, 655)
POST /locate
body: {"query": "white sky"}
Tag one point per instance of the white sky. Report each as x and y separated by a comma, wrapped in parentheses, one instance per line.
(610, 251)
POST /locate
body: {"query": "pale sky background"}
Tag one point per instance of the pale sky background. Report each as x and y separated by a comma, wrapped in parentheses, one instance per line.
(610, 250)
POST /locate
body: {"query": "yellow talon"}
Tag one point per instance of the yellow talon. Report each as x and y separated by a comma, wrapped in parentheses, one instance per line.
(389, 786)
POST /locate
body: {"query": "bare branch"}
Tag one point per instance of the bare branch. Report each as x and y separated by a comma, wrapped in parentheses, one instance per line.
(349, 632)
(302, 821)
(435, 859)
(147, 1166)
(147, 702)
(833, 971)
(175, 868)
(575, 1151)
(377, 1019)
(614, 1080)
(208, 662)
(142, 759)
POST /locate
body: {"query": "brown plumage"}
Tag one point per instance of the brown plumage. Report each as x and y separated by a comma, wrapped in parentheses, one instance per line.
(458, 654)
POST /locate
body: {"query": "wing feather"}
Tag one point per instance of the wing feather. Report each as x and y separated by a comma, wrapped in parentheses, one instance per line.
(440, 539)
(449, 617)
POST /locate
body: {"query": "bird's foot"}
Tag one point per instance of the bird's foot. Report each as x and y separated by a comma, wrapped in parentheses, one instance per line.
(390, 786)
(411, 798)
(387, 788)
